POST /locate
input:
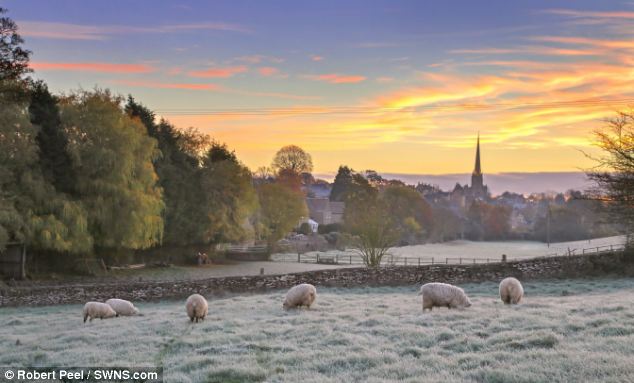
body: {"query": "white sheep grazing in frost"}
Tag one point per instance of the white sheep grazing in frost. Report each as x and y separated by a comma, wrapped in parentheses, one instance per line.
(300, 295)
(443, 295)
(98, 310)
(196, 307)
(511, 291)
(122, 307)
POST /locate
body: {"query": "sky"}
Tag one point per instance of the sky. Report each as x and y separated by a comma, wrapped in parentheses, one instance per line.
(401, 87)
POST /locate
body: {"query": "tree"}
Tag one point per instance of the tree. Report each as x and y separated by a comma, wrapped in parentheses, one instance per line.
(409, 212)
(342, 182)
(229, 198)
(292, 158)
(368, 218)
(52, 141)
(30, 209)
(14, 60)
(112, 158)
(614, 174)
(280, 211)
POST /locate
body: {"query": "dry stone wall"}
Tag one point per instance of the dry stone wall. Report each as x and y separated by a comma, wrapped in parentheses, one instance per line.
(538, 268)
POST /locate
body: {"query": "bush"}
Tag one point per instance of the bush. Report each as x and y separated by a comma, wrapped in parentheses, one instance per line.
(330, 228)
(305, 229)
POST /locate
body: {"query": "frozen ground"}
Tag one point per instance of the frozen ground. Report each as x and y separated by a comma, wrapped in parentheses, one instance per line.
(480, 250)
(566, 331)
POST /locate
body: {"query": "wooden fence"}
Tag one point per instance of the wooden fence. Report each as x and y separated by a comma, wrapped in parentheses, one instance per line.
(347, 258)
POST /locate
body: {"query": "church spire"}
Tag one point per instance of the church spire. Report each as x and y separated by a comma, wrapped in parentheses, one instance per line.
(478, 169)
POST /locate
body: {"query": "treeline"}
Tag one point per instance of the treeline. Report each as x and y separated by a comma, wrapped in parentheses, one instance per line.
(92, 172)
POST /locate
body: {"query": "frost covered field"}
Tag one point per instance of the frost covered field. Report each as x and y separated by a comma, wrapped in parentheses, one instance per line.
(570, 330)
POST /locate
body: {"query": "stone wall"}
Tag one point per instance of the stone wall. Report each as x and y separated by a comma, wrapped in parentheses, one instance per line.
(538, 268)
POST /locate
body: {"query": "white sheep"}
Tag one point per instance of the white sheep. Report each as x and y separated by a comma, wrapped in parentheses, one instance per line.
(122, 307)
(443, 295)
(511, 291)
(300, 295)
(98, 310)
(196, 307)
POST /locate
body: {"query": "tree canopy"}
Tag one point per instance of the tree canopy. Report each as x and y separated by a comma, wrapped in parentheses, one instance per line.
(292, 158)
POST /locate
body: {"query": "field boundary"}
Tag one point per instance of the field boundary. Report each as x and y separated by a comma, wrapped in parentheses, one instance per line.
(614, 263)
(347, 258)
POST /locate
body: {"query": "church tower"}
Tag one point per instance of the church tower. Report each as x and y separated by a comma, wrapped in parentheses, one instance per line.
(477, 182)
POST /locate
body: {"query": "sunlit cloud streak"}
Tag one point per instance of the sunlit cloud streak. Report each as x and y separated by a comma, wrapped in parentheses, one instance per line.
(66, 31)
(218, 72)
(98, 67)
(335, 78)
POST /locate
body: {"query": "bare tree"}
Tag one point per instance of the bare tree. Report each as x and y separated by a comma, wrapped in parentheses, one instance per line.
(614, 173)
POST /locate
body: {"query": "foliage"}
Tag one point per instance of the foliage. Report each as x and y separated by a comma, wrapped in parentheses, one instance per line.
(305, 229)
(488, 222)
(52, 140)
(280, 210)
(367, 216)
(614, 175)
(112, 157)
(410, 213)
(229, 198)
(14, 60)
(30, 209)
(292, 158)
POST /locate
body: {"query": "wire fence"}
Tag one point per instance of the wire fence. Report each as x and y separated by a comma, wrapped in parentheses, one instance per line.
(348, 258)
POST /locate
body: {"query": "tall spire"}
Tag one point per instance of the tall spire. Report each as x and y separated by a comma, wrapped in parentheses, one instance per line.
(478, 169)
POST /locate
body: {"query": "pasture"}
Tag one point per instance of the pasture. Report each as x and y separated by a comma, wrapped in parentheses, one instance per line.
(567, 330)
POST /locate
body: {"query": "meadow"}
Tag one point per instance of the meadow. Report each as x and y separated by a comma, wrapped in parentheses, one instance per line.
(565, 331)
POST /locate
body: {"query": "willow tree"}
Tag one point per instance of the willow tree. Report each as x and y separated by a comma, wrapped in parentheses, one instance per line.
(112, 158)
(31, 211)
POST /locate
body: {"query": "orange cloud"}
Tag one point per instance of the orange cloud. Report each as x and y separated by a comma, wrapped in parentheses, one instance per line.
(219, 72)
(618, 44)
(591, 14)
(268, 71)
(316, 57)
(335, 78)
(92, 67)
(163, 85)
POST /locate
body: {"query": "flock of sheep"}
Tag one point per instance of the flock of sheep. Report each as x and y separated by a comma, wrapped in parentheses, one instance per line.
(434, 295)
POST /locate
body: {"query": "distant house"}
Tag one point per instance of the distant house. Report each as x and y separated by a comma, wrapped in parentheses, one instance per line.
(324, 211)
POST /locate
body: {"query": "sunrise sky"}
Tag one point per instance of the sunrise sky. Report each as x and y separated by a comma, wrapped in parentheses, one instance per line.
(396, 86)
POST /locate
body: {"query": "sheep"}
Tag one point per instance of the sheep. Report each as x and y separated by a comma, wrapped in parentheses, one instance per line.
(443, 295)
(98, 310)
(122, 307)
(300, 295)
(196, 307)
(511, 291)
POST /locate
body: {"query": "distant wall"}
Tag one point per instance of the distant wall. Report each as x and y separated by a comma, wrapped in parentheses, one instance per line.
(538, 268)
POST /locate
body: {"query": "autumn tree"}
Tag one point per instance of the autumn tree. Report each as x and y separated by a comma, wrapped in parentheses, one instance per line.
(280, 211)
(292, 158)
(112, 158)
(409, 212)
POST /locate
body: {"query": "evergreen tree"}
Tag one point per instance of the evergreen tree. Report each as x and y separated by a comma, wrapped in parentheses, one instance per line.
(342, 182)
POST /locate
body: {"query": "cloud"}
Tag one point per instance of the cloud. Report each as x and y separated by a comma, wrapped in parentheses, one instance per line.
(66, 31)
(335, 78)
(163, 85)
(91, 67)
(268, 71)
(257, 59)
(219, 72)
(591, 14)
(316, 58)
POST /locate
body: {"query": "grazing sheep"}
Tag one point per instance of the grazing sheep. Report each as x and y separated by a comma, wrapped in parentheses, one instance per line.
(300, 295)
(122, 307)
(443, 295)
(511, 291)
(98, 310)
(196, 307)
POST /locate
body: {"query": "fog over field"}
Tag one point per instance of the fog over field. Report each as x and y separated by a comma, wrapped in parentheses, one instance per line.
(566, 331)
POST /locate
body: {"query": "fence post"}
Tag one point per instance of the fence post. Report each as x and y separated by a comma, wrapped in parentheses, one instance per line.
(461, 260)
(405, 262)
(351, 259)
(611, 248)
(447, 261)
(418, 261)
(299, 258)
(432, 260)
(317, 257)
(474, 261)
